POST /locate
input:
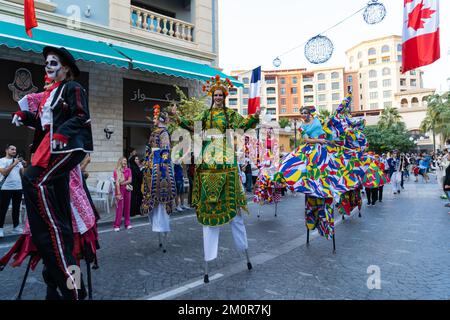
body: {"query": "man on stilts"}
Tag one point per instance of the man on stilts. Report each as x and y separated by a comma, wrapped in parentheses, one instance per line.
(63, 136)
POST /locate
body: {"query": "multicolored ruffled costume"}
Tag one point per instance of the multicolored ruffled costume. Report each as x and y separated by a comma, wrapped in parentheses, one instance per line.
(269, 184)
(374, 173)
(330, 171)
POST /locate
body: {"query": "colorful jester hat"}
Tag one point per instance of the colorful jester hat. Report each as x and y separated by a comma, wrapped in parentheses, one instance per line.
(217, 84)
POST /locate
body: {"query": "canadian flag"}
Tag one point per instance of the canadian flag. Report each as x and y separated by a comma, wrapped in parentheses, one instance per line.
(420, 33)
(29, 15)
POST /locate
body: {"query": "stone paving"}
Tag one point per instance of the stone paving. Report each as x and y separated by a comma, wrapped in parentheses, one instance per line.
(406, 238)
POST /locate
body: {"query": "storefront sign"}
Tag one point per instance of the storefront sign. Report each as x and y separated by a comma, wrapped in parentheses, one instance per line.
(139, 97)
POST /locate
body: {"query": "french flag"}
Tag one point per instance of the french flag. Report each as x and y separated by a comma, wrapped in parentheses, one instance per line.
(420, 33)
(254, 99)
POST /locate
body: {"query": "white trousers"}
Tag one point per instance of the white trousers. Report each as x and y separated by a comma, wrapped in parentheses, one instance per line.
(159, 219)
(211, 237)
(396, 179)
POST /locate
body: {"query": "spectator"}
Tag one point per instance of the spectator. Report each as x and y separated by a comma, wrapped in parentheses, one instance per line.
(446, 183)
(395, 171)
(384, 161)
(248, 175)
(136, 178)
(133, 153)
(191, 173)
(179, 184)
(83, 166)
(255, 173)
(122, 178)
(423, 167)
(11, 170)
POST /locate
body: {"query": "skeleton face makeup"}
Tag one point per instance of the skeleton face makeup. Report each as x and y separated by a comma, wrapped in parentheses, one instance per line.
(54, 68)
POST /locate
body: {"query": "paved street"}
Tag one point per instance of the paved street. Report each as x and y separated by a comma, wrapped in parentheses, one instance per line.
(407, 237)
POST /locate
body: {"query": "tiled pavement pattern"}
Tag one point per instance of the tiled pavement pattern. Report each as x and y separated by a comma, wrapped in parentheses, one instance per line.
(407, 237)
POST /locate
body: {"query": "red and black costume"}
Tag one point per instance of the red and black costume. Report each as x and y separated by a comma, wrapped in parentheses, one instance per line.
(63, 116)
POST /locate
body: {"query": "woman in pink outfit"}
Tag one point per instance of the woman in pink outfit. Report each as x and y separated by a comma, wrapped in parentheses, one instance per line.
(122, 178)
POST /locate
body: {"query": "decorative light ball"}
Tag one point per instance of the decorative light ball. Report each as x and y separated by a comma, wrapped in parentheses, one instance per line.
(276, 62)
(319, 49)
(374, 12)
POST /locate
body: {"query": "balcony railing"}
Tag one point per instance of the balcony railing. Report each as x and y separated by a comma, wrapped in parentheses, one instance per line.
(150, 21)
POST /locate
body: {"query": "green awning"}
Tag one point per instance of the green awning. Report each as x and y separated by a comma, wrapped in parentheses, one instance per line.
(14, 36)
(146, 61)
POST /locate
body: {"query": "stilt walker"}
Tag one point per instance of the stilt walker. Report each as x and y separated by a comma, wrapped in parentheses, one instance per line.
(269, 183)
(323, 168)
(218, 195)
(84, 218)
(158, 187)
(63, 136)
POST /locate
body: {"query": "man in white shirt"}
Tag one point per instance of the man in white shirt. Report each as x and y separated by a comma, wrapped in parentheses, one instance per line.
(11, 171)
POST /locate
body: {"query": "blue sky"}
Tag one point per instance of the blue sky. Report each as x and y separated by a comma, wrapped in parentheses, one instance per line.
(254, 32)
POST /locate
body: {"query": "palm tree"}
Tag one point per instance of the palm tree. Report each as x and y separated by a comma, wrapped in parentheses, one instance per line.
(437, 118)
(284, 122)
(324, 114)
(389, 117)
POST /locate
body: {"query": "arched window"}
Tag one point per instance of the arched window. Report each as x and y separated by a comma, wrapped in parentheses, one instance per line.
(415, 102)
(386, 71)
(334, 75)
(385, 48)
(372, 51)
(425, 101)
(404, 103)
(321, 76)
(359, 55)
(399, 47)
(372, 73)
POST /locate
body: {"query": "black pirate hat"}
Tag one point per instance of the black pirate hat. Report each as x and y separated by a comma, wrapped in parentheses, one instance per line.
(65, 56)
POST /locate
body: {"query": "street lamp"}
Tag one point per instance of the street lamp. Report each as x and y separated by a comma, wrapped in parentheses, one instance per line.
(295, 134)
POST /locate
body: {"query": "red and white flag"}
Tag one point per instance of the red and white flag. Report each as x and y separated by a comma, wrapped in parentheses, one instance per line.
(420, 33)
(254, 99)
(29, 15)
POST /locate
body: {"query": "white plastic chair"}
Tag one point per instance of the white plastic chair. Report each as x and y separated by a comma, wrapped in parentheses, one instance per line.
(101, 193)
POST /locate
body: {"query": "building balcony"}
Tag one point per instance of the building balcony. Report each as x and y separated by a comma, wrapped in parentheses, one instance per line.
(149, 21)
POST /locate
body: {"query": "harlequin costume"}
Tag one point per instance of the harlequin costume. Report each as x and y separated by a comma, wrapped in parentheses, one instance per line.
(374, 178)
(348, 132)
(62, 138)
(325, 172)
(218, 196)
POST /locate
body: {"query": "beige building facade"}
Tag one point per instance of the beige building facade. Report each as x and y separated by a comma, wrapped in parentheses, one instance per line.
(382, 84)
(183, 30)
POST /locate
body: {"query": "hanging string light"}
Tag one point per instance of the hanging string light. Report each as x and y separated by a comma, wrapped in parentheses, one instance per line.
(276, 62)
(374, 13)
(319, 49)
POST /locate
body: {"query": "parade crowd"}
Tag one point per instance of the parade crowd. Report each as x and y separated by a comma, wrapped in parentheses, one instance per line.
(332, 167)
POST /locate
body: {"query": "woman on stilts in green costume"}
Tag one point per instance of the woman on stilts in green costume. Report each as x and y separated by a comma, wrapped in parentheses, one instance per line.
(218, 195)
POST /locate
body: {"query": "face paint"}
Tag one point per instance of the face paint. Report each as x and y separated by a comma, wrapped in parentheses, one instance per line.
(53, 66)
